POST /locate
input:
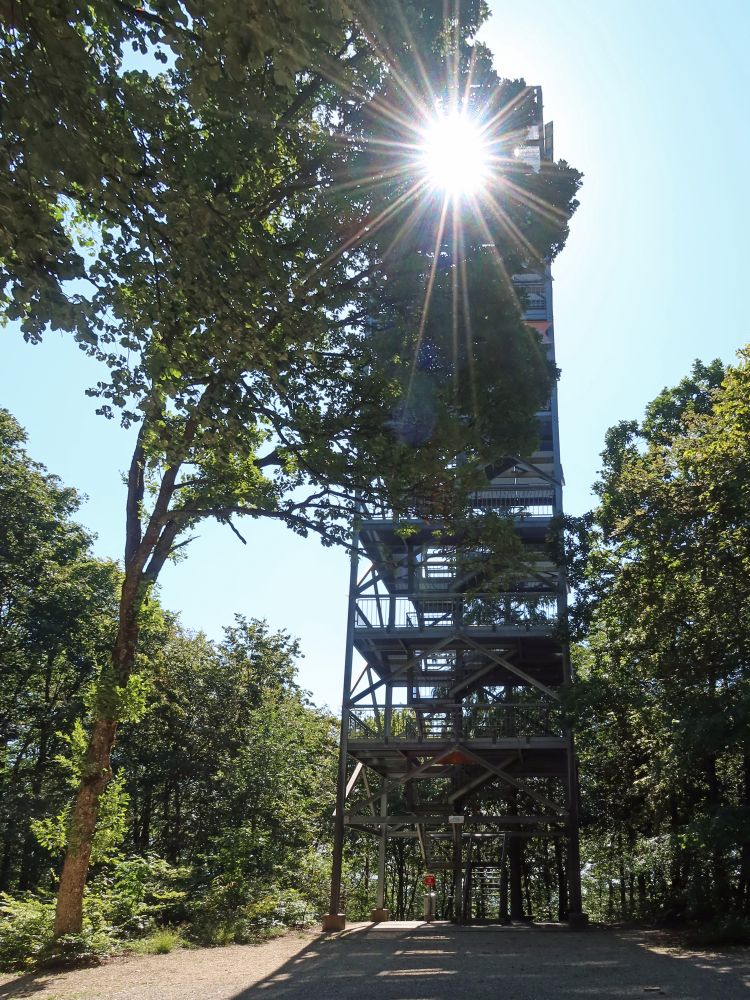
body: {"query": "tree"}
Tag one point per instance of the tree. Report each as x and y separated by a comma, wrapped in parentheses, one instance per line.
(57, 622)
(665, 663)
(233, 241)
(231, 770)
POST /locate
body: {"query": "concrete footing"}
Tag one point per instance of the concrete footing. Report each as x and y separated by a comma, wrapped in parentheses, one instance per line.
(578, 921)
(334, 922)
(378, 916)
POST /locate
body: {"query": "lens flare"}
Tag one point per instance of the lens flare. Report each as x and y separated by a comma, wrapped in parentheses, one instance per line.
(455, 155)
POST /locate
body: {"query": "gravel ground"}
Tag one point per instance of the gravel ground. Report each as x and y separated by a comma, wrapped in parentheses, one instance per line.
(412, 961)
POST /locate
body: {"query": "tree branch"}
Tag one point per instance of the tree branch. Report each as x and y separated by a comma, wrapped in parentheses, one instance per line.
(222, 514)
(311, 88)
(237, 533)
(162, 550)
(136, 485)
(272, 458)
(142, 14)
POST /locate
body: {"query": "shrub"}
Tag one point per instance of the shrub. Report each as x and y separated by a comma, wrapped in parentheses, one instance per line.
(92, 944)
(25, 929)
(293, 910)
(26, 934)
(161, 942)
(135, 895)
(241, 914)
(127, 899)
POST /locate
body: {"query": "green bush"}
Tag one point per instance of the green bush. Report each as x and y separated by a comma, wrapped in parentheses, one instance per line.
(241, 913)
(312, 873)
(25, 929)
(135, 895)
(26, 934)
(92, 944)
(293, 910)
(127, 899)
(137, 902)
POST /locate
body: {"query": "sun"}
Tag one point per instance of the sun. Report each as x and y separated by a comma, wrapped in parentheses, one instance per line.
(454, 154)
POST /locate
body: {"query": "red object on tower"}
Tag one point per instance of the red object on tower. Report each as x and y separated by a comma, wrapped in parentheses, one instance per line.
(429, 881)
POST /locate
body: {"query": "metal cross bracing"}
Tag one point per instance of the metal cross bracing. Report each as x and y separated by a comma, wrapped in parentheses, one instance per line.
(452, 731)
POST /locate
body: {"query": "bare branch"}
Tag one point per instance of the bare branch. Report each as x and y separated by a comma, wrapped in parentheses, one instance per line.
(222, 513)
(237, 533)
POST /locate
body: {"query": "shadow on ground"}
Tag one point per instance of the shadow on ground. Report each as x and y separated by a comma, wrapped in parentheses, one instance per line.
(25, 985)
(443, 962)
(413, 962)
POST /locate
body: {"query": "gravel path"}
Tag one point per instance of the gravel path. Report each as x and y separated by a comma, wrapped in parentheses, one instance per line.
(411, 962)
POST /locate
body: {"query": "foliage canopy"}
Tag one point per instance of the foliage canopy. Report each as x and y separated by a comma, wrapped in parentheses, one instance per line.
(661, 573)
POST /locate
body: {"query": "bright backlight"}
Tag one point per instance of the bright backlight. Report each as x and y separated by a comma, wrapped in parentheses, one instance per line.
(455, 155)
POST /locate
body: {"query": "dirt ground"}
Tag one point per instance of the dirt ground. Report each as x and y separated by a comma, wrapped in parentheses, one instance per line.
(411, 961)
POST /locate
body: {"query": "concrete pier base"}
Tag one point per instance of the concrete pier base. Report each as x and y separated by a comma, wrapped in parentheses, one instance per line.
(334, 922)
(378, 915)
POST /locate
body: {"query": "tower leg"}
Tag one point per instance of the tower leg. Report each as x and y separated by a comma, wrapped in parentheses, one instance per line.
(335, 920)
(577, 919)
(380, 913)
(503, 914)
(515, 857)
(457, 877)
(504, 893)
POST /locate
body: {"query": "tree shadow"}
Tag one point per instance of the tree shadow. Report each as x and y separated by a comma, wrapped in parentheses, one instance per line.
(36, 980)
(27, 984)
(443, 962)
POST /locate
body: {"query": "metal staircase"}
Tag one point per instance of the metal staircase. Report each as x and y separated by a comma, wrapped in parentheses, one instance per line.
(488, 887)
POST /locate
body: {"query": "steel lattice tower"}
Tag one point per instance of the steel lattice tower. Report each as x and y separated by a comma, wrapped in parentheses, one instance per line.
(451, 729)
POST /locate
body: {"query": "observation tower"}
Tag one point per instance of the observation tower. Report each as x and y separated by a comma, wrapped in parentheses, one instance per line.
(452, 732)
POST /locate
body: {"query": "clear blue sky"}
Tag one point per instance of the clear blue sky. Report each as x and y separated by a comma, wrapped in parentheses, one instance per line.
(650, 98)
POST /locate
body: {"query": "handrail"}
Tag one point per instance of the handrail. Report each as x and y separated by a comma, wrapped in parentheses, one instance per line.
(442, 610)
(420, 723)
(513, 500)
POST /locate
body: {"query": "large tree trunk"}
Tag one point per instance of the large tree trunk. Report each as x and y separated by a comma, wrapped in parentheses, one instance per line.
(96, 771)
(69, 912)
(624, 915)
(145, 555)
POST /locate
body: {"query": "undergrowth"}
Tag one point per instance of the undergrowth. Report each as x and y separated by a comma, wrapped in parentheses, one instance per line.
(141, 908)
(731, 930)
